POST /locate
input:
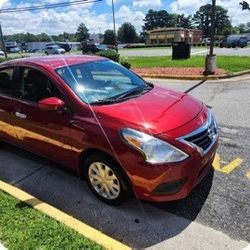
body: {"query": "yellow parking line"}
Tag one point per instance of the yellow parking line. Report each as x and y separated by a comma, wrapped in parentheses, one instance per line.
(248, 174)
(227, 169)
(82, 228)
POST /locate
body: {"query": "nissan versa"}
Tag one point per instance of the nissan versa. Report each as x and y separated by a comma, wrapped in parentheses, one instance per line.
(120, 132)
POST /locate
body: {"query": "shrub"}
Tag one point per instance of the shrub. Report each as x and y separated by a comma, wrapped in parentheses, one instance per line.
(110, 54)
(125, 64)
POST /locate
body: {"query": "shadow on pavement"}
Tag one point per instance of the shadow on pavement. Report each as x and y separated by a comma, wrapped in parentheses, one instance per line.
(135, 223)
(191, 206)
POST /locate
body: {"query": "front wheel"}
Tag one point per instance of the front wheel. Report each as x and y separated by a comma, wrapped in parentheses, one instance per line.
(105, 179)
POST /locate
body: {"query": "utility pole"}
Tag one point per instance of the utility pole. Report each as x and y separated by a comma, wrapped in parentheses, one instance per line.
(2, 42)
(211, 58)
(113, 11)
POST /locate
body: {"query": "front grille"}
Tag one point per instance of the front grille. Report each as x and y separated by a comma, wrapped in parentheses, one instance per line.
(204, 137)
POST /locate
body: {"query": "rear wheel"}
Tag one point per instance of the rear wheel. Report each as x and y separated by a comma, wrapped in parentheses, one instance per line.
(105, 179)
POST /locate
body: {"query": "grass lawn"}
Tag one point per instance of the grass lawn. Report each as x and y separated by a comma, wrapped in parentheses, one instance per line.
(228, 63)
(22, 227)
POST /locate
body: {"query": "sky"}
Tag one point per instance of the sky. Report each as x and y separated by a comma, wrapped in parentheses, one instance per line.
(98, 16)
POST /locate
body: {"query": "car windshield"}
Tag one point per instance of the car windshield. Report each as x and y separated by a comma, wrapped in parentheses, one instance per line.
(102, 81)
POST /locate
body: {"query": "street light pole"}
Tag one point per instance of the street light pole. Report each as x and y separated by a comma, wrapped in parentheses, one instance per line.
(113, 11)
(211, 58)
(2, 42)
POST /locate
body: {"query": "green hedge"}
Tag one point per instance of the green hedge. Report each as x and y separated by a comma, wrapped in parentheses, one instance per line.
(112, 55)
(125, 64)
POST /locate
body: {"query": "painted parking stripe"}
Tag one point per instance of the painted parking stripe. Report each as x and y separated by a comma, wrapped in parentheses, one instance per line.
(199, 52)
(228, 168)
(248, 174)
(82, 228)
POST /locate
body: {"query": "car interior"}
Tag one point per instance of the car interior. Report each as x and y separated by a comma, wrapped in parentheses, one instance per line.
(5, 83)
(36, 86)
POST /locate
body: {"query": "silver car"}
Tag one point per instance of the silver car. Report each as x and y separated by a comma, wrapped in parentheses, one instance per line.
(54, 50)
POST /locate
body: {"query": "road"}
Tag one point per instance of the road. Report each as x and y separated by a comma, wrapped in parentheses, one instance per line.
(215, 216)
(195, 51)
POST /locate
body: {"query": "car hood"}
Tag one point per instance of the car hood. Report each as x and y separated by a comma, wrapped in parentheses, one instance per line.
(160, 110)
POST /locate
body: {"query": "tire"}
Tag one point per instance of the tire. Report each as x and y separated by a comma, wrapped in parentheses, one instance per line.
(110, 185)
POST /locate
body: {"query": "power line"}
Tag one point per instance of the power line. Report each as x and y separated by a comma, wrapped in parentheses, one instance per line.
(47, 6)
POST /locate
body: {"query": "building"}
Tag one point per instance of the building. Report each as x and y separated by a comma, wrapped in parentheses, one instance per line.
(170, 35)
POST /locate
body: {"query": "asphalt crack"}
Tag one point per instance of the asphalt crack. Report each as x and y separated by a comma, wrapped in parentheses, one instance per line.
(27, 176)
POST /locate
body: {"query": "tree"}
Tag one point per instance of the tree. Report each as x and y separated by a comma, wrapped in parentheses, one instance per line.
(242, 28)
(245, 5)
(82, 33)
(202, 19)
(159, 19)
(109, 37)
(127, 33)
(185, 21)
(248, 27)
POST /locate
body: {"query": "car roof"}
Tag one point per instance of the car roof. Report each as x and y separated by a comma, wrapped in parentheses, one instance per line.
(53, 61)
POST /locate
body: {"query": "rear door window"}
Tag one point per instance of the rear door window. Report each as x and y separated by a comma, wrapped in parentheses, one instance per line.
(6, 76)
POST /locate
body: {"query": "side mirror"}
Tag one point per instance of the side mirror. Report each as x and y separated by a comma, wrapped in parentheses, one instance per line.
(51, 104)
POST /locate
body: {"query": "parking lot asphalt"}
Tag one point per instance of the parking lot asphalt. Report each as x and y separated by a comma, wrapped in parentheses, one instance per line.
(215, 216)
(194, 51)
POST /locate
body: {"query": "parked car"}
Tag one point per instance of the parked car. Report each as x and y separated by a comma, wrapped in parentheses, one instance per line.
(233, 42)
(65, 46)
(14, 50)
(54, 50)
(120, 132)
(1, 53)
(93, 48)
(206, 40)
(242, 42)
(32, 50)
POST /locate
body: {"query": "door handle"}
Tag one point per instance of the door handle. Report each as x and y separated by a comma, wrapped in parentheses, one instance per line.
(20, 115)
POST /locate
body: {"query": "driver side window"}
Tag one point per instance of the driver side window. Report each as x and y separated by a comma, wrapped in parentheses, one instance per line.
(35, 86)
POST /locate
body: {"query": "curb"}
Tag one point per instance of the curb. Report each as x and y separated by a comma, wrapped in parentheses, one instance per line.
(212, 77)
(82, 228)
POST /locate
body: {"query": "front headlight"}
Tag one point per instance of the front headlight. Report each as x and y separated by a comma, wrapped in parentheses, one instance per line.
(154, 150)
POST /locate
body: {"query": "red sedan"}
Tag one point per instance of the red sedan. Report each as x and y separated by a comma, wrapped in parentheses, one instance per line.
(121, 133)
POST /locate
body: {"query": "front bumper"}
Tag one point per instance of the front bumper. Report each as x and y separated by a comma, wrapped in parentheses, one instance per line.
(170, 182)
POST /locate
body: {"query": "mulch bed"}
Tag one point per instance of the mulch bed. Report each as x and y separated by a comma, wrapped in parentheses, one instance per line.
(175, 71)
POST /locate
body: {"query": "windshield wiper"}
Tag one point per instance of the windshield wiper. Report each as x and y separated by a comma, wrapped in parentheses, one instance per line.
(104, 101)
(133, 92)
